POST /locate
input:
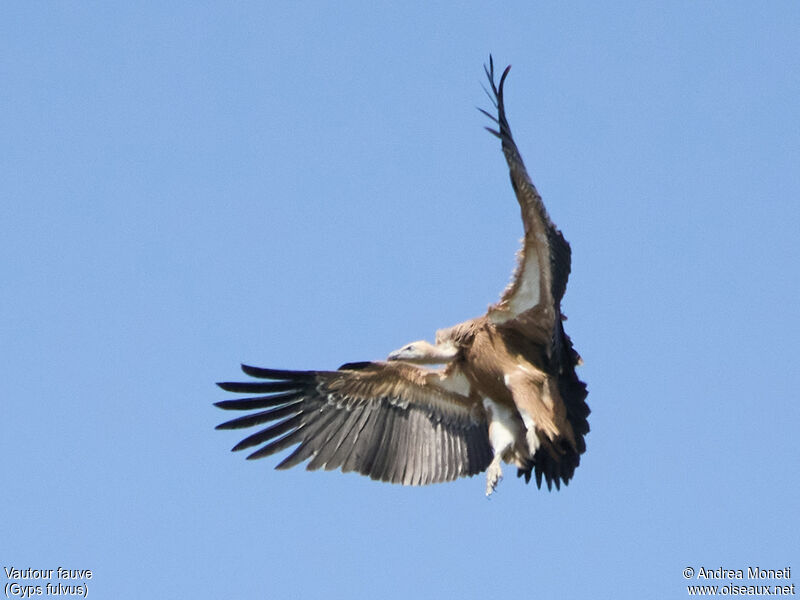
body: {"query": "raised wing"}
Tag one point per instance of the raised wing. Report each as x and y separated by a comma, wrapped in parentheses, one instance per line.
(534, 295)
(392, 421)
(531, 304)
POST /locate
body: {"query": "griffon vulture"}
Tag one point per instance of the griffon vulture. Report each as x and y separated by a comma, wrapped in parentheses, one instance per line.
(507, 390)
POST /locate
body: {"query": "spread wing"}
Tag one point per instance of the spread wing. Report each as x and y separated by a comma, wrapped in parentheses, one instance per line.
(392, 421)
(533, 297)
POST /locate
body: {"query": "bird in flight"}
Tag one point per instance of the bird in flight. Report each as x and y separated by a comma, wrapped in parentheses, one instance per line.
(505, 389)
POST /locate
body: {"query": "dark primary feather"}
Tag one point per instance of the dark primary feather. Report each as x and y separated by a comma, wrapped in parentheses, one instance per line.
(403, 433)
(251, 387)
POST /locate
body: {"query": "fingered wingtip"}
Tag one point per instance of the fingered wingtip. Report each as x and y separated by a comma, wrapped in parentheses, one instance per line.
(496, 95)
(503, 77)
(240, 446)
(488, 114)
(246, 368)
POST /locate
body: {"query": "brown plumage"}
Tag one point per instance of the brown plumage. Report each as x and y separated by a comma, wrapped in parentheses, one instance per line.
(508, 390)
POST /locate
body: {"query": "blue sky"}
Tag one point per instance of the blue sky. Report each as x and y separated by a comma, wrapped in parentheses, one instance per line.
(188, 186)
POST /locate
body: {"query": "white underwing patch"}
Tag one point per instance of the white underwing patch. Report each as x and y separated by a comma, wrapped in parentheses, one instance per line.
(455, 382)
(528, 291)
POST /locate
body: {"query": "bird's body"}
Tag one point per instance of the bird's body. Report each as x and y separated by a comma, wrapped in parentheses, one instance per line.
(508, 390)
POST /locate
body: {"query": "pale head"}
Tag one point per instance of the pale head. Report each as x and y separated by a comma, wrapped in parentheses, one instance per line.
(422, 353)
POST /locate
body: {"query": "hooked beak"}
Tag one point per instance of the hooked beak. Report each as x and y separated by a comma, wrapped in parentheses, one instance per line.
(394, 355)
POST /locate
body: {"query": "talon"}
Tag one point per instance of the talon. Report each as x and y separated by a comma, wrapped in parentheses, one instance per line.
(494, 474)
